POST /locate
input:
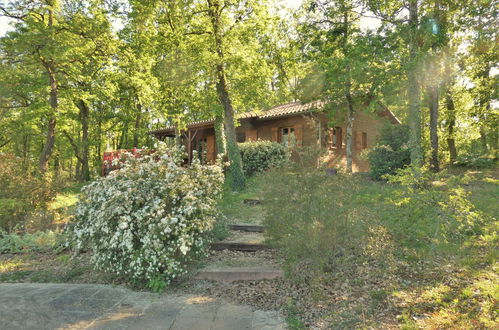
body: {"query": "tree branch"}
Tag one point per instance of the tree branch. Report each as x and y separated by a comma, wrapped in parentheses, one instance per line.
(3, 144)
(73, 145)
(6, 13)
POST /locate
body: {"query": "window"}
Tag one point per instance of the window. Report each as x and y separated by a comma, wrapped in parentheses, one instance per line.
(336, 137)
(287, 135)
(360, 140)
(241, 136)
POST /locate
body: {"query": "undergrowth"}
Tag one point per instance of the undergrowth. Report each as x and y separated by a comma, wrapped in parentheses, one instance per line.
(373, 252)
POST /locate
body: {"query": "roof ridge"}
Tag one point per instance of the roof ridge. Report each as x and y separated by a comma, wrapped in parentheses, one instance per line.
(289, 108)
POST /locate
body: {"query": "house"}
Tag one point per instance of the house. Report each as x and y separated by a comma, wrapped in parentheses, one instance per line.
(308, 123)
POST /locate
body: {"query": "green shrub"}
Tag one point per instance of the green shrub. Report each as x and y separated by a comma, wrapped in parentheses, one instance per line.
(434, 210)
(325, 224)
(312, 218)
(21, 193)
(259, 156)
(475, 161)
(391, 151)
(147, 220)
(40, 241)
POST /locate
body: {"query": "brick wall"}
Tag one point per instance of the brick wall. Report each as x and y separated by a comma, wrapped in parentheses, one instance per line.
(369, 124)
(363, 123)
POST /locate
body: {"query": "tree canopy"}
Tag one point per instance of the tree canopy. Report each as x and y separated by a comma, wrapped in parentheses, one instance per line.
(79, 77)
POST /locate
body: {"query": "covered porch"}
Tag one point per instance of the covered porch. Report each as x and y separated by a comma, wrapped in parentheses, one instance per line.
(198, 140)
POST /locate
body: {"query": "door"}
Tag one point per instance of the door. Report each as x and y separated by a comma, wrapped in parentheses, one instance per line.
(210, 149)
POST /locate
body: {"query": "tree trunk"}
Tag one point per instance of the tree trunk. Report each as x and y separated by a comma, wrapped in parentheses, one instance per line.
(53, 100)
(236, 168)
(84, 153)
(99, 157)
(25, 152)
(78, 169)
(350, 117)
(451, 124)
(413, 89)
(494, 135)
(51, 124)
(483, 139)
(348, 94)
(433, 100)
(122, 139)
(433, 96)
(220, 134)
(136, 127)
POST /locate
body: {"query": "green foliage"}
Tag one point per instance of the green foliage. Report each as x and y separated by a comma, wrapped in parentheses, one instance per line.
(260, 156)
(321, 222)
(476, 161)
(220, 229)
(330, 229)
(150, 218)
(435, 211)
(20, 193)
(391, 151)
(292, 317)
(40, 241)
(236, 173)
(313, 218)
(158, 284)
(232, 204)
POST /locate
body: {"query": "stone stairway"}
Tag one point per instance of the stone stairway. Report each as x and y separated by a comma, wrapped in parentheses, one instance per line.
(243, 256)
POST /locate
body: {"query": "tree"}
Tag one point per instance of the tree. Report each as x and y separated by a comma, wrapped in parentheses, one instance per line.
(215, 11)
(483, 55)
(40, 43)
(413, 88)
(64, 43)
(89, 73)
(353, 62)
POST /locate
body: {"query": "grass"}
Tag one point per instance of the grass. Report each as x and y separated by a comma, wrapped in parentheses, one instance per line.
(51, 268)
(233, 207)
(64, 202)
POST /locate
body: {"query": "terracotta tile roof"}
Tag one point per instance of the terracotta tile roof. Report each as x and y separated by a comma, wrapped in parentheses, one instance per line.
(291, 108)
(277, 111)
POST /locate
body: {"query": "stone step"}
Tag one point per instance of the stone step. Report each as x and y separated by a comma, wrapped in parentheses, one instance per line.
(247, 228)
(231, 274)
(252, 201)
(239, 246)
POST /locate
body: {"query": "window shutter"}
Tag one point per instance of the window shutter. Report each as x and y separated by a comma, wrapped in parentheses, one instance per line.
(299, 134)
(275, 134)
(339, 137)
(358, 140)
(210, 148)
(251, 135)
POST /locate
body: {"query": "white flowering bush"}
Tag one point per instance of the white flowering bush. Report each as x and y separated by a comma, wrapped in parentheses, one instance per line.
(151, 217)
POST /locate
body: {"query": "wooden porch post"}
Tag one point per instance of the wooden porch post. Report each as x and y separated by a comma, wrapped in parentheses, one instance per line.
(190, 137)
(189, 147)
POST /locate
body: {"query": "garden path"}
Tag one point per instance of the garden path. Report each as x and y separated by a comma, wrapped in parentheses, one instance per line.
(89, 306)
(243, 255)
